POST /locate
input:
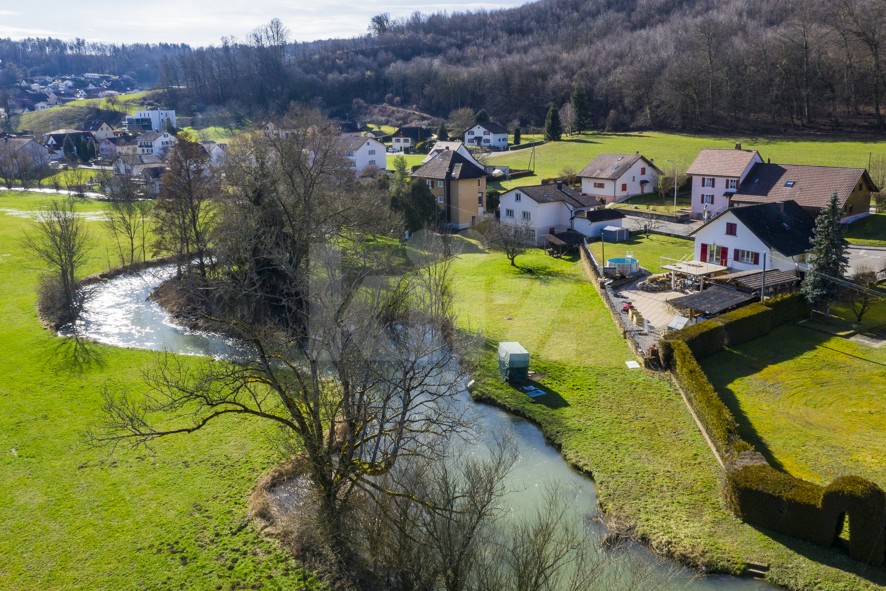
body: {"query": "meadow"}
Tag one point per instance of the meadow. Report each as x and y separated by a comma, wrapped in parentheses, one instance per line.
(79, 517)
(72, 115)
(626, 427)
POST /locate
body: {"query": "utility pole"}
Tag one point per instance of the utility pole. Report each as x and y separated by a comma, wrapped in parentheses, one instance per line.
(763, 280)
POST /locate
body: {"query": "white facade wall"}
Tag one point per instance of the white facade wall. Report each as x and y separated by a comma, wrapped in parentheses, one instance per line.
(714, 234)
(721, 186)
(158, 147)
(487, 138)
(158, 118)
(594, 229)
(627, 185)
(542, 216)
(372, 152)
(399, 144)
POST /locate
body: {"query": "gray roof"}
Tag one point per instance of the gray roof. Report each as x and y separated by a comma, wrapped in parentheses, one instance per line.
(449, 165)
(490, 127)
(718, 162)
(353, 142)
(713, 300)
(603, 215)
(784, 226)
(611, 166)
(809, 186)
(551, 193)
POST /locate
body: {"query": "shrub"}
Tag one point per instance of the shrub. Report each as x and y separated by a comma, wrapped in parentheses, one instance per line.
(763, 496)
(865, 504)
(746, 323)
(719, 422)
(703, 339)
(787, 308)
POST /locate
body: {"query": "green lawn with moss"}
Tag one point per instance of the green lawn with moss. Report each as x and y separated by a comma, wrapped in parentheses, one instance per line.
(811, 401)
(575, 152)
(649, 251)
(79, 517)
(627, 427)
(869, 231)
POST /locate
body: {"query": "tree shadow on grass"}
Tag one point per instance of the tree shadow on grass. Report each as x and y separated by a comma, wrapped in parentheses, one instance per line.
(833, 557)
(76, 355)
(746, 427)
(543, 273)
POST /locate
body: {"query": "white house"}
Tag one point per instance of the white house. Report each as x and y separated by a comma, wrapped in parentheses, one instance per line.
(100, 130)
(543, 209)
(156, 143)
(487, 135)
(615, 177)
(455, 147)
(137, 164)
(363, 152)
(150, 120)
(217, 153)
(406, 138)
(746, 237)
(716, 175)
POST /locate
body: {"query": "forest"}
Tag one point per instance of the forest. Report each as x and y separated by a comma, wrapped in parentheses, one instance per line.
(700, 65)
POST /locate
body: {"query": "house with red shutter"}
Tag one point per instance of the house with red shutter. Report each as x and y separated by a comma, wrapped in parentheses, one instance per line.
(716, 175)
(777, 235)
(615, 177)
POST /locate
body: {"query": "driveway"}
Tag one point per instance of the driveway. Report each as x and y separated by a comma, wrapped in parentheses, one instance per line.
(651, 304)
(873, 257)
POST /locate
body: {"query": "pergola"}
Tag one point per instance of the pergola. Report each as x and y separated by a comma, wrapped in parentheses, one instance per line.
(713, 301)
(696, 271)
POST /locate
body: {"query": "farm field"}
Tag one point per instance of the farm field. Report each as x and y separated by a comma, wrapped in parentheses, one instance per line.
(811, 402)
(627, 427)
(577, 151)
(79, 517)
(869, 231)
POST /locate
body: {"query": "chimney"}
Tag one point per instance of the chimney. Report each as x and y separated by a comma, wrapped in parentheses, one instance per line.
(738, 145)
(559, 185)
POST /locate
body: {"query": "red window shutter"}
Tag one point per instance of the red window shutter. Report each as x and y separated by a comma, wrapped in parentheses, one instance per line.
(724, 256)
(735, 254)
(756, 258)
(624, 186)
(704, 253)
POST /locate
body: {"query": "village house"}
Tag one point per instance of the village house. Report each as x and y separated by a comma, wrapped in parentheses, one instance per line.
(23, 152)
(156, 143)
(716, 175)
(55, 141)
(455, 147)
(150, 120)
(100, 130)
(615, 177)
(487, 135)
(146, 166)
(811, 187)
(777, 235)
(592, 222)
(216, 152)
(543, 209)
(458, 186)
(407, 138)
(363, 152)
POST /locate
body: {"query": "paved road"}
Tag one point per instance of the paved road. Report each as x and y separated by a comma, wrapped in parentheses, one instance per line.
(873, 257)
(637, 223)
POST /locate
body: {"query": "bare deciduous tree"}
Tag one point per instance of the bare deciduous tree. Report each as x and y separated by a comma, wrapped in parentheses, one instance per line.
(510, 239)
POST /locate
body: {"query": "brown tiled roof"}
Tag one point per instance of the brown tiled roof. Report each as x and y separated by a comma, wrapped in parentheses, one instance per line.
(551, 193)
(809, 186)
(611, 166)
(449, 165)
(717, 162)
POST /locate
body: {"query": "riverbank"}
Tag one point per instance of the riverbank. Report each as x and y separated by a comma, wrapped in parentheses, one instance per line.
(626, 427)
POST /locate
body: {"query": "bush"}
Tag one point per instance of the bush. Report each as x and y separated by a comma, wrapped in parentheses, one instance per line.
(787, 308)
(52, 304)
(718, 420)
(703, 339)
(865, 504)
(746, 323)
(763, 496)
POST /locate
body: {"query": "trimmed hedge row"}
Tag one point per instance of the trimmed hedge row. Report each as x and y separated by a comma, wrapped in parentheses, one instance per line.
(719, 422)
(787, 308)
(763, 496)
(745, 324)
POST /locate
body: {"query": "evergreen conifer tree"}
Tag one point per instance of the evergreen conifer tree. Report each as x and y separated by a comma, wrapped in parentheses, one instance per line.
(442, 134)
(578, 100)
(517, 136)
(553, 126)
(828, 259)
(481, 117)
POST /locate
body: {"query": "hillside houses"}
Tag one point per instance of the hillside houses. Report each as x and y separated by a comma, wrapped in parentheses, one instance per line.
(615, 177)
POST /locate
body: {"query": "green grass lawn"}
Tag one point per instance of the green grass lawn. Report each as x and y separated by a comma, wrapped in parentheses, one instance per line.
(647, 250)
(73, 114)
(869, 231)
(577, 151)
(627, 427)
(77, 517)
(813, 401)
(655, 203)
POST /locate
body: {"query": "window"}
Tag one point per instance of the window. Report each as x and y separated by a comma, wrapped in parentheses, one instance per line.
(731, 229)
(350, 154)
(599, 185)
(527, 216)
(509, 213)
(485, 133)
(707, 199)
(470, 133)
(480, 199)
(711, 253)
(624, 187)
(372, 162)
(440, 200)
(789, 184)
(430, 183)
(486, 141)
(518, 197)
(642, 170)
(478, 182)
(731, 183)
(372, 152)
(439, 184)
(747, 256)
(708, 181)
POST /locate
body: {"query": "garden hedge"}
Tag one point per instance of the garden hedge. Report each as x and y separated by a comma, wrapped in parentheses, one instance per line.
(865, 504)
(745, 324)
(719, 422)
(703, 339)
(787, 308)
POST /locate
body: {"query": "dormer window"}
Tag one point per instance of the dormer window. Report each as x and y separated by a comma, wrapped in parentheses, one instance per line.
(789, 184)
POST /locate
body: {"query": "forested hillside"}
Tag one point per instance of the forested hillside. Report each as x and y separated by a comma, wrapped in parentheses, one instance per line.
(671, 64)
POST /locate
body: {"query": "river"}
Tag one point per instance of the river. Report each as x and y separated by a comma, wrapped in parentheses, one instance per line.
(119, 313)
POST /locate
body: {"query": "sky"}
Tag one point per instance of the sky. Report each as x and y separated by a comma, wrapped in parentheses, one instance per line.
(205, 22)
